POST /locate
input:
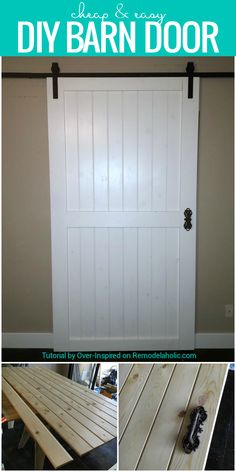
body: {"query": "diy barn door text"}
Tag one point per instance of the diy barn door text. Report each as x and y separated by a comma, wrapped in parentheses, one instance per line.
(94, 33)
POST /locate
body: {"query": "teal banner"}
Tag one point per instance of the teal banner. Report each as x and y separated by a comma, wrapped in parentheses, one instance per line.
(113, 28)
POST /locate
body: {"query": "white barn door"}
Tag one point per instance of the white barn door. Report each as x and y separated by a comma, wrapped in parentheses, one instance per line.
(123, 169)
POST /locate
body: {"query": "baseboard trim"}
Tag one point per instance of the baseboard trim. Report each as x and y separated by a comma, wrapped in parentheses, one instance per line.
(214, 340)
(27, 340)
(45, 340)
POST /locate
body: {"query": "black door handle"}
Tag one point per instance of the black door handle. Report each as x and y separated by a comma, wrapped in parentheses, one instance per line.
(188, 219)
(191, 440)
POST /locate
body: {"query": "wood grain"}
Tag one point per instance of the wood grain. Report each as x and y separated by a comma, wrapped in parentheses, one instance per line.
(207, 392)
(157, 414)
(130, 393)
(7, 409)
(124, 370)
(82, 422)
(87, 406)
(84, 392)
(143, 416)
(57, 455)
(161, 441)
(68, 434)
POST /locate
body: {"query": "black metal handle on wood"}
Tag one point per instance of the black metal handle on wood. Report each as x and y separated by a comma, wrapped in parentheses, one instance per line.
(191, 439)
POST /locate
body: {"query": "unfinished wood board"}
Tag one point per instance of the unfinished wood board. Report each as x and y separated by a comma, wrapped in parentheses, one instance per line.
(56, 454)
(72, 438)
(160, 444)
(111, 404)
(207, 392)
(90, 409)
(143, 416)
(7, 409)
(151, 439)
(82, 423)
(69, 420)
(69, 414)
(124, 371)
(131, 391)
(73, 388)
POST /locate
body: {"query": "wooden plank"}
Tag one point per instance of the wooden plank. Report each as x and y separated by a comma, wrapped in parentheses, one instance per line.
(116, 281)
(173, 150)
(100, 141)
(105, 401)
(159, 282)
(124, 371)
(172, 282)
(115, 135)
(131, 392)
(130, 150)
(89, 396)
(145, 137)
(82, 403)
(145, 282)
(207, 392)
(102, 296)
(72, 438)
(85, 149)
(71, 151)
(160, 444)
(143, 416)
(7, 409)
(159, 179)
(56, 454)
(74, 277)
(130, 246)
(50, 393)
(33, 387)
(78, 403)
(87, 282)
(85, 412)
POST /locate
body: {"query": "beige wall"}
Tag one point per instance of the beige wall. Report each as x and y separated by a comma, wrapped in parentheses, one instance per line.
(27, 305)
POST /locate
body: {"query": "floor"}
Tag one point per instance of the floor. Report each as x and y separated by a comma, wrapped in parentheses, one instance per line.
(221, 454)
(35, 355)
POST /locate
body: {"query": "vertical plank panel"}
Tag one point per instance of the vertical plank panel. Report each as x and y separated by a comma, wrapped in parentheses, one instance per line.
(74, 267)
(115, 150)
(130, 150)
(145, 151)
(130, 282)
(88, 327)
(159, 151)
(72, 158)
(160, 445)
(158, 282)
(100, 150)
(85, 145)
(172, 281)
(144, 282)
(174, 143)
(102, 281)
(116, 281)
